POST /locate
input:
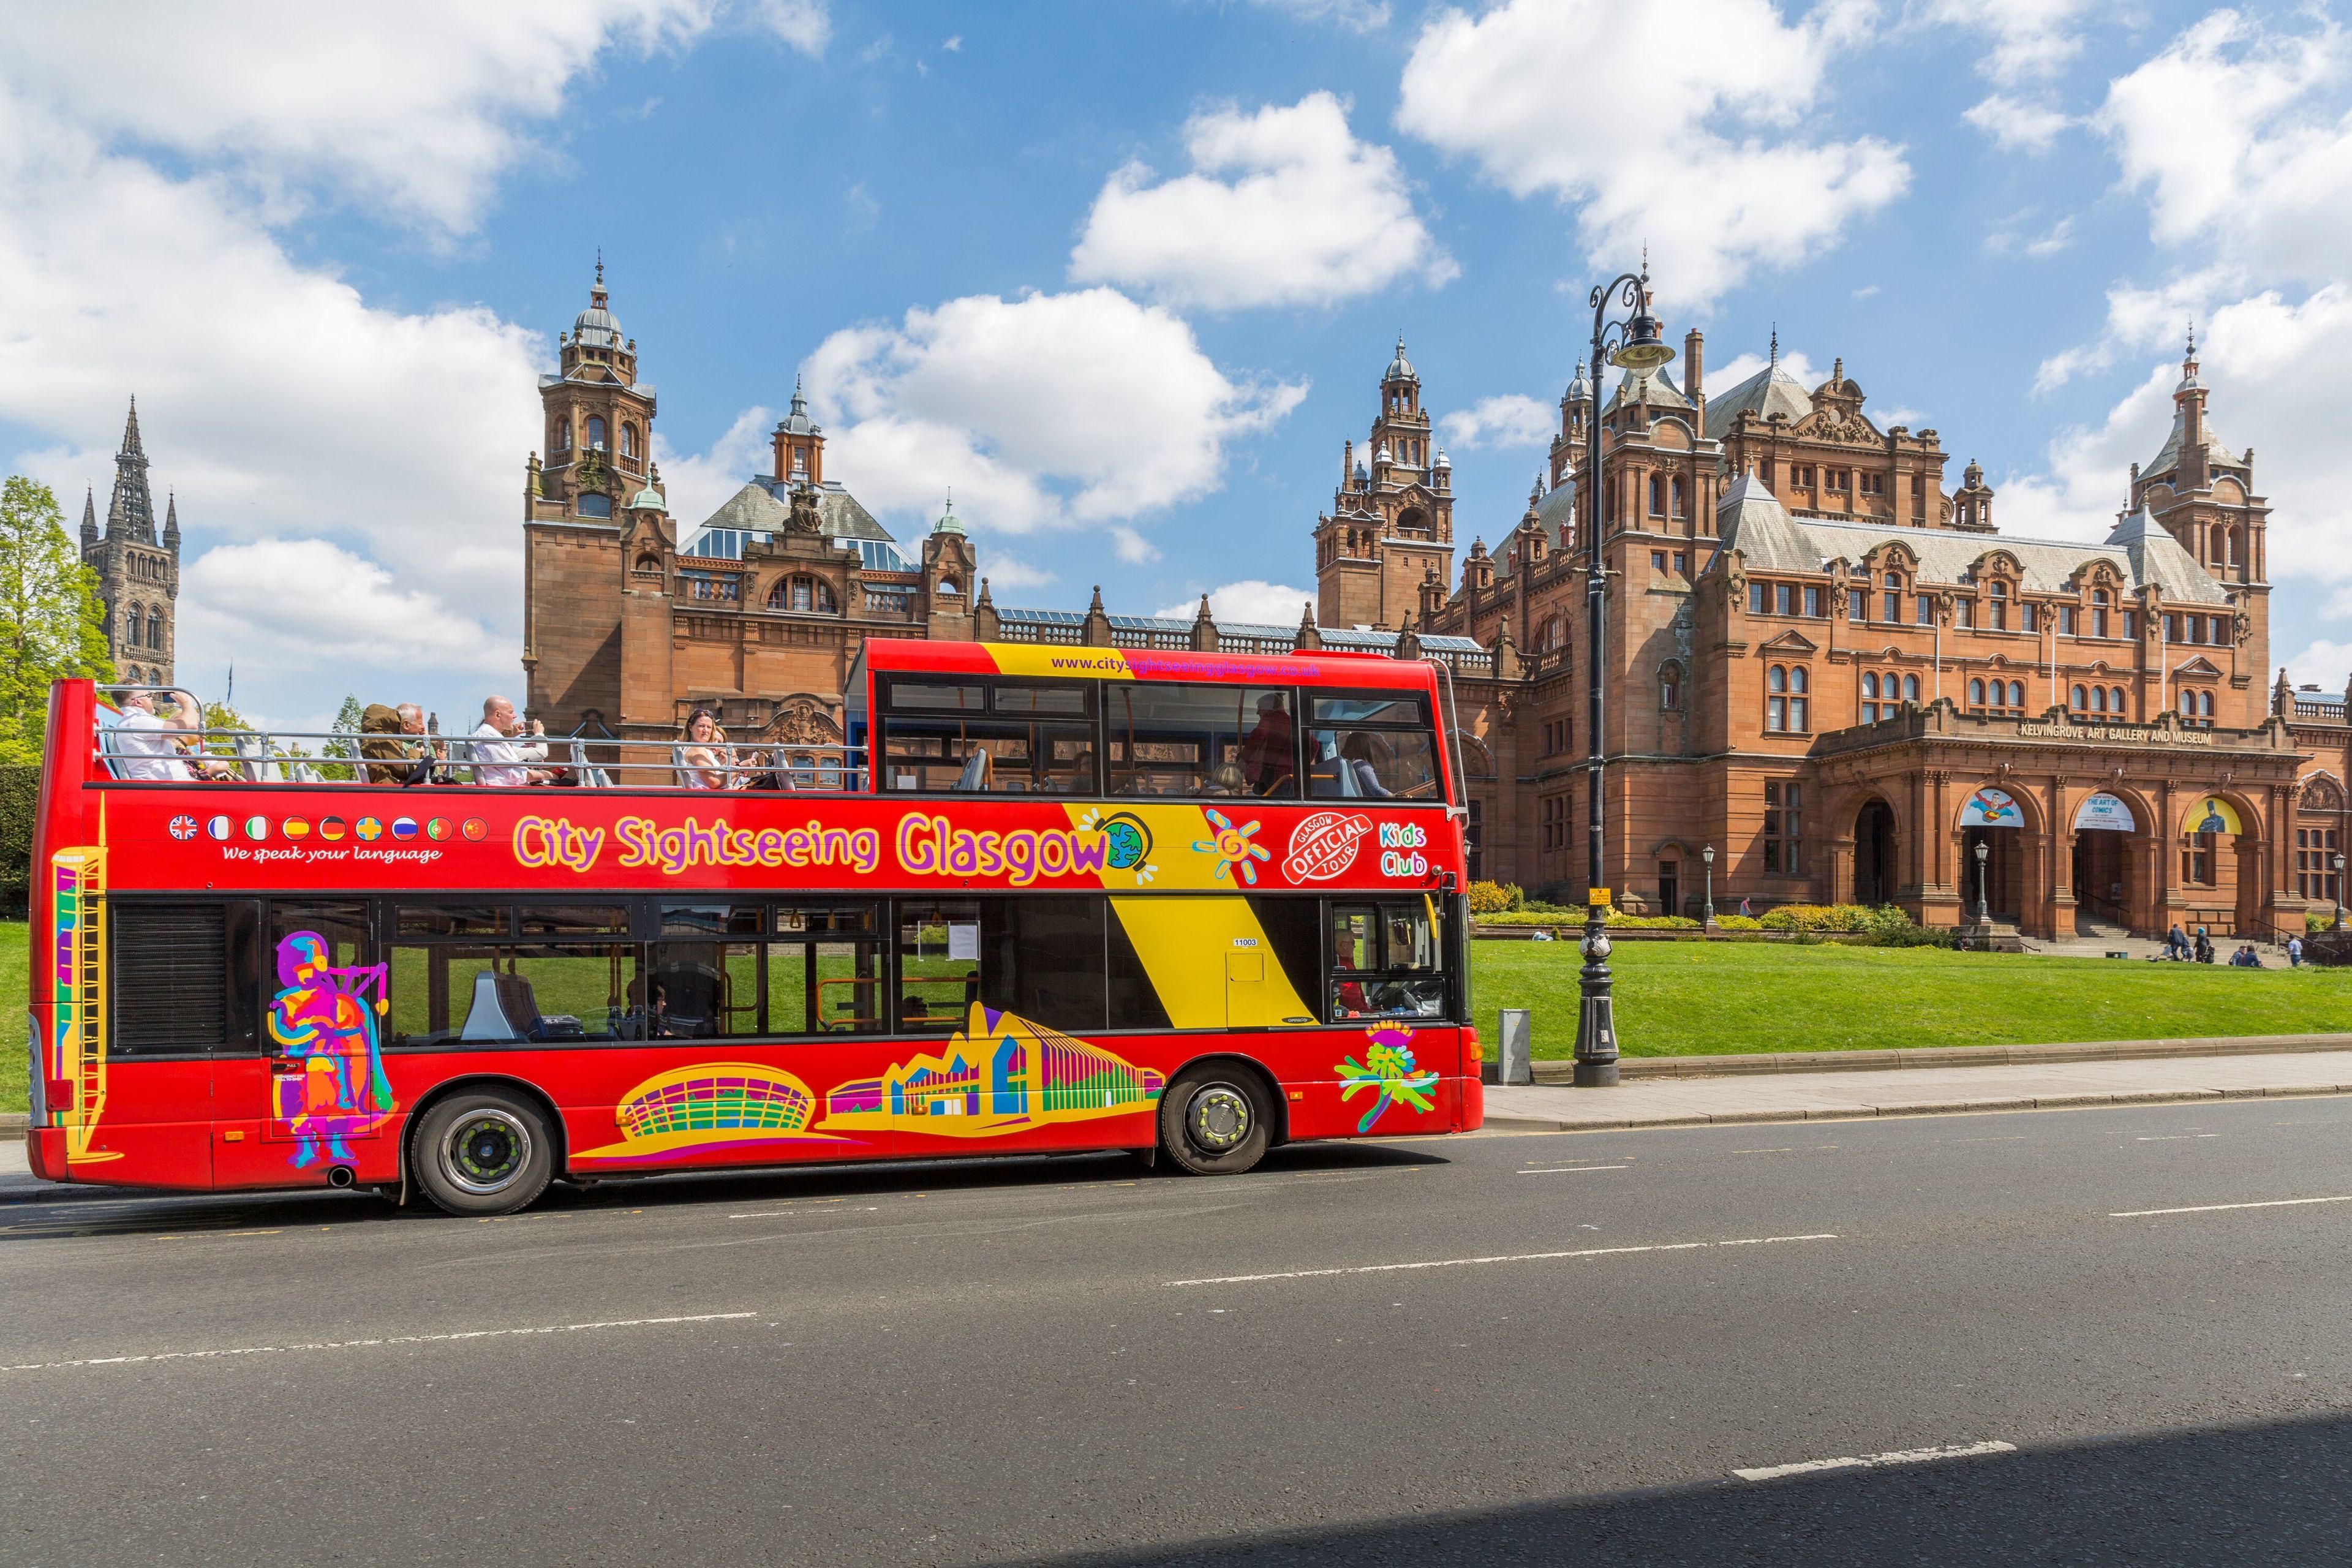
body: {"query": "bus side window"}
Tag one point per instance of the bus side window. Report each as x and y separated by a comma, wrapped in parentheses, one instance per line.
(184, 977)
(1371, 748)
(826, 971)
(486, 975)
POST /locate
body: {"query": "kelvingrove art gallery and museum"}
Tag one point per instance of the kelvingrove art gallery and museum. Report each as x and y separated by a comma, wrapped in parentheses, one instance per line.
(1822, 662)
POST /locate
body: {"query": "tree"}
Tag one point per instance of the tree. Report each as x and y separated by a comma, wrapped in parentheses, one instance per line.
(52, 621)
(346, 743)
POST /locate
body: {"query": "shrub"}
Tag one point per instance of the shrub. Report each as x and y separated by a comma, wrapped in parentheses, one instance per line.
(1651, 922)
(1816, 917)
(1737, 922)
(2317, 921)
(20, 793)
(1491, 898)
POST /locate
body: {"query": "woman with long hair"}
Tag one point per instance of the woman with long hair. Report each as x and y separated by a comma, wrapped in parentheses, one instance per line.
(701, 756)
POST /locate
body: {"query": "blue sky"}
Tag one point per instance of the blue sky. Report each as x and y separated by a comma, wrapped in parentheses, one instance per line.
(1123, 275)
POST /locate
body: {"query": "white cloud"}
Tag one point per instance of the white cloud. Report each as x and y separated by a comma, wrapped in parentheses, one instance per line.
(697, 484)
(803, 25)
(1253, 600)
(417, 107)
(1713, 171)
(325, 452)
(1307, 215)
(1046, 411)
(1006, 574)
(1356, 15)
(2030, 38)
(953, 45)
(2017, 125)
(1511, 419)
(2239, 137)
(2278, 370)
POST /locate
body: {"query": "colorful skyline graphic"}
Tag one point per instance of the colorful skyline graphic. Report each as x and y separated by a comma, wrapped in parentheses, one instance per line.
(708, 1106)
(1000, 1074)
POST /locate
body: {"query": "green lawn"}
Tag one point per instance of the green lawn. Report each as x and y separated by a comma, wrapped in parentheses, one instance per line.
(13, 955)
(1698, 999)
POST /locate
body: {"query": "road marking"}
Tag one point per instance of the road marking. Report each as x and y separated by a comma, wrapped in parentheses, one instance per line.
(1503, 1258)
(2212, 1208)
(368, 1344)
(1873, 1461)
(2173, 1137)
(805, 1214)
(1791, 1149)
(1565, 1170)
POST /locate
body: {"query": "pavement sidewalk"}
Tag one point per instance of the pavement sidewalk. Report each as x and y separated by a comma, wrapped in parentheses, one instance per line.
(1917, 1091)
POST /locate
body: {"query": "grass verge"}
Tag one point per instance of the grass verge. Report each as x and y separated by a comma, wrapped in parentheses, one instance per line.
(1719, 998)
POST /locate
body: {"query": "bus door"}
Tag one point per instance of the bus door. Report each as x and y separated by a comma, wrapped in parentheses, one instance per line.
(324, 1099)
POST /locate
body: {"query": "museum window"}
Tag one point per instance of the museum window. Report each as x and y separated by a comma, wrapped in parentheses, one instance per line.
(2067, 620)
(2116, 703)
(1996, 607)
(595, 433)
(561, 440)
(1910, 689)
(1670, 687)
(2079, 700)
(2098, 699)
(1681, 500)
(1657, 496)
(2196, 707)
(1760, 598)
(1783, 827)
(1784, 598)
(1924, 609)
(2197, 860)
(1976, 694)
(1813, 600)
(1658, 562)
(1786, 701)
(2221, 636)
(2099, 612)
(1870, 697)
(1893, 604)
(595, 504)
(628, 441)
(2315, 842)
(1964, 614)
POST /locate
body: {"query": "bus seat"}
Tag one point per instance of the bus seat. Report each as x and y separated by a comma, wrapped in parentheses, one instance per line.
(693, 995)
(587, 773)
(976, 771)
(1329, 775)
(254, 755)
(503, 1009)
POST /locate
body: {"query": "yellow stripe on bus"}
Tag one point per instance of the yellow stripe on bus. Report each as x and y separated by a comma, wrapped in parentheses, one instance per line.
(1211, 963)
(1048, 658)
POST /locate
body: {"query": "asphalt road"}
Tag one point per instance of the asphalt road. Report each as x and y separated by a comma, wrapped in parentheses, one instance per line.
(1542, 1348)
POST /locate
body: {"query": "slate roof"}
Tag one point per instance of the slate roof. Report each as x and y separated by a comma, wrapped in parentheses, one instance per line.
(1771, 539)
(1654, 387)
(1768, 391)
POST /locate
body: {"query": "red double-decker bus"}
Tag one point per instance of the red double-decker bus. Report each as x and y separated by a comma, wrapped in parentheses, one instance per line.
(1042, 898)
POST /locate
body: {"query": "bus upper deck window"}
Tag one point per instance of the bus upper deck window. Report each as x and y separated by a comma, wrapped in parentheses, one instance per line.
(1169, 739)
(1371, 748)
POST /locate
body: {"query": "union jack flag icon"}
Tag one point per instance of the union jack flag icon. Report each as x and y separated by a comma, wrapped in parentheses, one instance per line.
(184, 828)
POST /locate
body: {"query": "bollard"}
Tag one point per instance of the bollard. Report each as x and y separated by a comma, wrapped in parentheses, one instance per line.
(1513, 1033)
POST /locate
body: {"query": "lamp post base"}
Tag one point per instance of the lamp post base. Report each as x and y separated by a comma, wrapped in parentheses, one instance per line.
(1596, 1037)
(1596, 1074)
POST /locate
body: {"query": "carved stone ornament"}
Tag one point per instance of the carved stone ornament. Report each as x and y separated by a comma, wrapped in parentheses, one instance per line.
(804, 518)
(805, 722)
(2242, 625)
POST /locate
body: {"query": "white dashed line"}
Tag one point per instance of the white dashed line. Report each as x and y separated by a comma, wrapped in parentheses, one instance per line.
(368, 1345)
(2215, 1208)
(1874, 1461)
(1503, 1258)
(1569, 1170)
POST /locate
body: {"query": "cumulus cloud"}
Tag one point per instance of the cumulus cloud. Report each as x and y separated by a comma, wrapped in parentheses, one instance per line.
(1356, 15)
(1284, 206)
(417, 108)
(1047, 411)
(2017, 125)
(2239, 138)
(358, 456)
(1253, 600)
(1511, 419)
(2030, 38)
(1715, 171)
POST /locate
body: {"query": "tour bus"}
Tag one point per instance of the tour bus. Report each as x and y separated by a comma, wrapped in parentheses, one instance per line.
(1036, 899)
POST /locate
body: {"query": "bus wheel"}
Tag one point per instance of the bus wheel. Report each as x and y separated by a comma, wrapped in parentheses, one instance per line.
(1215, 1122)
(482, 1154)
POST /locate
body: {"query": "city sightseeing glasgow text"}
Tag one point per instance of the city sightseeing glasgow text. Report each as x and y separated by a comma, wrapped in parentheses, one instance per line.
(926, 845)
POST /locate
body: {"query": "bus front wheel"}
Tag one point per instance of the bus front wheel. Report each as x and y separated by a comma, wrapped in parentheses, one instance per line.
(482, 1154)
(1214, 1121)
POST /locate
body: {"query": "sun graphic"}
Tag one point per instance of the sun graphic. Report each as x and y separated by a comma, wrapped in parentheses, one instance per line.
(1232, 846)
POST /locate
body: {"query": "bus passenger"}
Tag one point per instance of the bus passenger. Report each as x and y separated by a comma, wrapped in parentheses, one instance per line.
(143, 743)
(499, 760)
(701, 760)
(1356, 756)
(1266, 748)
(395, 746)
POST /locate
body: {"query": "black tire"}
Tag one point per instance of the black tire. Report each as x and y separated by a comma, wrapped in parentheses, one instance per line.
(482, 1153)
(1215, 1120)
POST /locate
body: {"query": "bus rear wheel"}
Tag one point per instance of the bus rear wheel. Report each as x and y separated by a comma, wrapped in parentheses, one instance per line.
(482, 1153)
(1215, 1120)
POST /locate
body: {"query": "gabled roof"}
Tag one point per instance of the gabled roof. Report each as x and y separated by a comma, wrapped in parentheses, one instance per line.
(751, 506)
(2218, 455)
(1654, 387)
(2157, 557)
(1768, 391)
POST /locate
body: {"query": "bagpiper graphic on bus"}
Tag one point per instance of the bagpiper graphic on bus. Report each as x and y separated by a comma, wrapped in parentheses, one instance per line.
(323, 1018)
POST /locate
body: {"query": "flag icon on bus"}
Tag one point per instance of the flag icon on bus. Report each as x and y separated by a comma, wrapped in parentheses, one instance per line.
(403, 827)
(331, 828)
(295, 827)
(437, 829)
(219, 828)
(184, 828)
(257, 828)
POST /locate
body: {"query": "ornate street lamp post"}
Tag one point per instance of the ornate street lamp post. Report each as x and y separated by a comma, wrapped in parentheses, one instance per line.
(1984, 913)
(2340, 892)
(1707, 855)
(1637, 344)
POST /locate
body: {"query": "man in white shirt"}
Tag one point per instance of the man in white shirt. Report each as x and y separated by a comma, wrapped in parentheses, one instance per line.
(141, 741)
(497, 760)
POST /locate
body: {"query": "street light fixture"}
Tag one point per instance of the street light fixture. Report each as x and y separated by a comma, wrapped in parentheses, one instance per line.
(1707, 855)
(2340, 892)
(1984, 914)
(1635, 344)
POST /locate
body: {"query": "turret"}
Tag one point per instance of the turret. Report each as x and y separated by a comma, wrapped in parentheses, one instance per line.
(88, 521)
(172, 523)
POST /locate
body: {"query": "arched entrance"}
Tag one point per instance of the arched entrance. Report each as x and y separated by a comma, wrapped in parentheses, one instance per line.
(1992, 855)
(2107, 829)
(1875, 863)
